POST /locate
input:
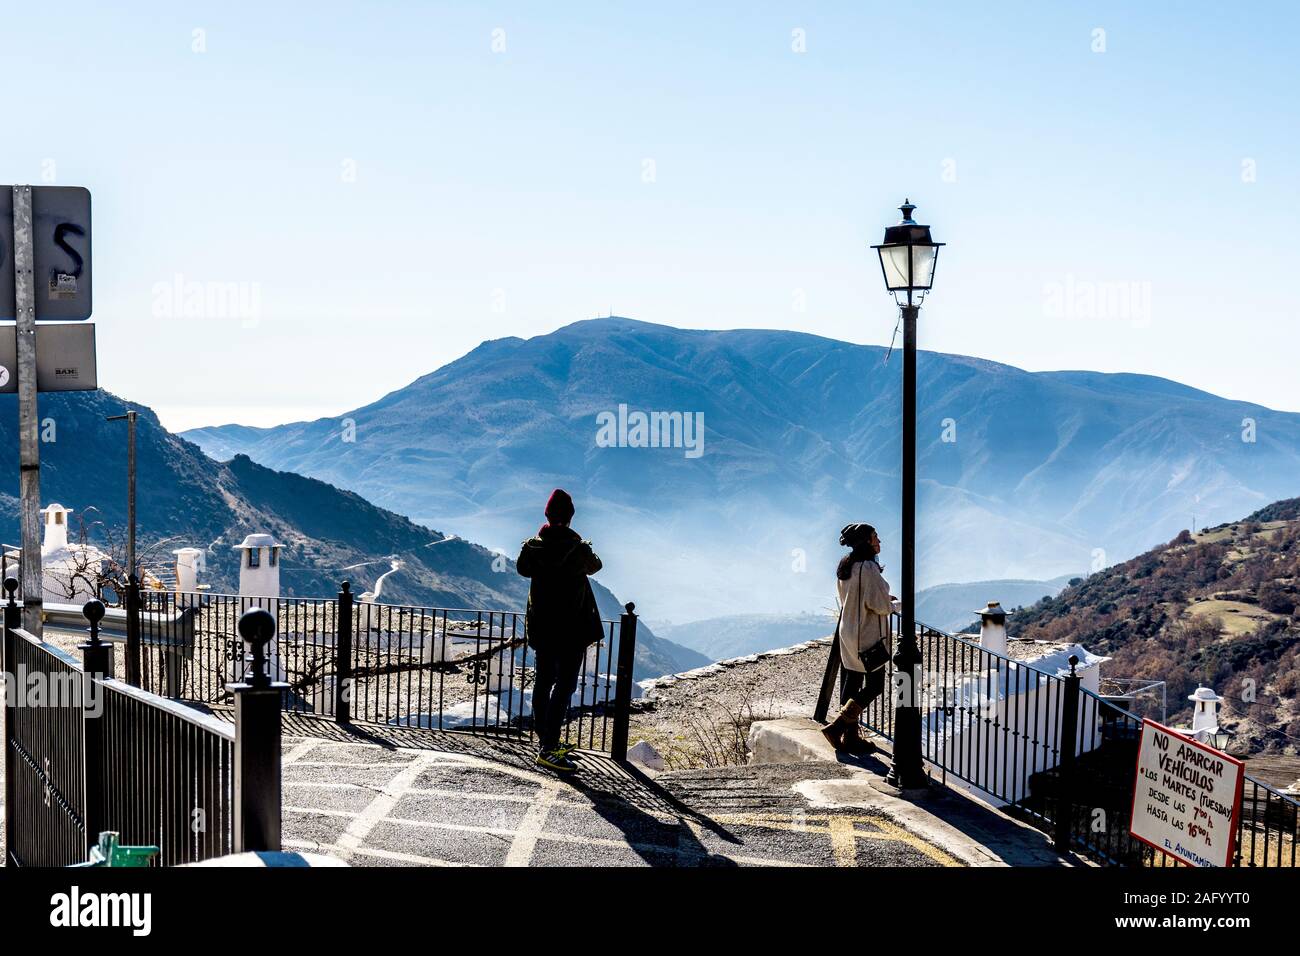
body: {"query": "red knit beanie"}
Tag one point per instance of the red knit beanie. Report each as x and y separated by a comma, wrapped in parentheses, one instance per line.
(560, 507)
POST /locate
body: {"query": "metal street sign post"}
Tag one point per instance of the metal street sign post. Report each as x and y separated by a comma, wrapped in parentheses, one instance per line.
(29, 457)
(44, 275)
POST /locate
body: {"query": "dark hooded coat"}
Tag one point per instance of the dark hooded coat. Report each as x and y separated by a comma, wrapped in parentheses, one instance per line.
(562, 612)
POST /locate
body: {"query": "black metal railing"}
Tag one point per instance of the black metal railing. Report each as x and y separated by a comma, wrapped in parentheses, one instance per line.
(190, 648)
(44, 752)
(987, 720)
(87, 753)
(446, 669)
(1052, 752)
(169, 775)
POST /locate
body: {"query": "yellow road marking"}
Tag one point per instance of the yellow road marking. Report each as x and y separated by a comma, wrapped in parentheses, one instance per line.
(844, 840)
(842, 831)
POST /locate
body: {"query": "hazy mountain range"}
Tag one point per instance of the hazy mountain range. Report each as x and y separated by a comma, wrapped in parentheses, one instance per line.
(952, 606)
(1024, 475)
(329, 535)
(947, 606)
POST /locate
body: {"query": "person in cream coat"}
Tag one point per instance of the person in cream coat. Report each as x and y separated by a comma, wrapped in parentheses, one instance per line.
(862, 634)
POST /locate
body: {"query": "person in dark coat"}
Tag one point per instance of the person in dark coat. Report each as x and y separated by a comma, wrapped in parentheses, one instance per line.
(562, 621)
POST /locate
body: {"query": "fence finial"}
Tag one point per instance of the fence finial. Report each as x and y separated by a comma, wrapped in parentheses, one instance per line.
(11, 585)
(1074, 662)
(93, 611)
(256, 627)
(630, 607)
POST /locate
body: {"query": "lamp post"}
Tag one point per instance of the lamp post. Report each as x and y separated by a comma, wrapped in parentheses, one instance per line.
(907, 260)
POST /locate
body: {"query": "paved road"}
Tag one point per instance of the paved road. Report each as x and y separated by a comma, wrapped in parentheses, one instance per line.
(455, 801)
(415, 798)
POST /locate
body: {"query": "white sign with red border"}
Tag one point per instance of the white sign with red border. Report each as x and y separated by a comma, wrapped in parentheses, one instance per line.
(1186, 797)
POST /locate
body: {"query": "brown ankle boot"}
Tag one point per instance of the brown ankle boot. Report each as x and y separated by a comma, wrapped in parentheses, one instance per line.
(834, 732)
(853, 742)
(847, 719)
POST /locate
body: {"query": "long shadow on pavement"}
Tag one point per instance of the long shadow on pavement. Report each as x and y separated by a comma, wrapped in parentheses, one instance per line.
(622, 795)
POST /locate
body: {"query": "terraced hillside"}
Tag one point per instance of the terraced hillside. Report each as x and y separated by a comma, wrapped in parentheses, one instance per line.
(1220, 607)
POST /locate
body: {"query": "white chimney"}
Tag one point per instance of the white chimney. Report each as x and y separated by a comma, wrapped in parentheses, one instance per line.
(190, 563)
(259, 577)
(993, 628)
(1205, 713)
(259, 566)
(56, 528)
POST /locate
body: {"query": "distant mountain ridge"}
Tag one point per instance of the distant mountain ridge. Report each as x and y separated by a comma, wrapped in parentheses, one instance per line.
(950, 607)
(328, 534)
(1022, 475)
(737, 635)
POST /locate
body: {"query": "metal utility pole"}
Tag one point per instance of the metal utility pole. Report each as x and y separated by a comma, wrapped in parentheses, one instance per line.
(129, 417)
(132, 596)
(51, 226)
(29, 453)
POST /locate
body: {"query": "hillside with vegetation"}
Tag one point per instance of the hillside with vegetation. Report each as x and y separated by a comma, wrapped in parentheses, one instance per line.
(1220, 608)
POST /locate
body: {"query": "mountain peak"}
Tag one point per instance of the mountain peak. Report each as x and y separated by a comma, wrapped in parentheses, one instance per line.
(1025, 475)
(606, 323)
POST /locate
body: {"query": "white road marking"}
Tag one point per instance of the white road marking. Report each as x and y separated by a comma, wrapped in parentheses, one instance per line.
(373, 851)
(521, 850)
(298, 752)
(355, 835)
(318, 811)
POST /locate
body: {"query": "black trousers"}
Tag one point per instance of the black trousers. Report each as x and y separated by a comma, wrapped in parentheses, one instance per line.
(555, 678)
(863, 688)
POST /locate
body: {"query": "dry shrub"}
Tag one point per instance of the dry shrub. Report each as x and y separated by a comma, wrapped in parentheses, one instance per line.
(716, 736)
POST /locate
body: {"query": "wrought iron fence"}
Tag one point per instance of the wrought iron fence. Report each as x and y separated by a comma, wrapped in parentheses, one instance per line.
(447, 669)
(1050, 751)
(190, 648)
(44, 753)
(168, 775)
(85, 752)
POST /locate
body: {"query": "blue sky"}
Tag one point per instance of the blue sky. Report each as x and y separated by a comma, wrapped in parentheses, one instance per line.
(388, 190)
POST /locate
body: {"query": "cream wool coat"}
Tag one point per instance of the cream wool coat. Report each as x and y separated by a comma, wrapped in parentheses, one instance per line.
(864, 598)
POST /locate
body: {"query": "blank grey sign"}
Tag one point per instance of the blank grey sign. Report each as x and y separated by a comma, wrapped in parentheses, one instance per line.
(65, 358)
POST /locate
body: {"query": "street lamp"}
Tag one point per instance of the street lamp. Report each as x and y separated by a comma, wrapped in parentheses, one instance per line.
(907, 260)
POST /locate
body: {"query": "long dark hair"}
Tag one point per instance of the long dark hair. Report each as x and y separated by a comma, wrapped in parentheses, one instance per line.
(858, 537)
